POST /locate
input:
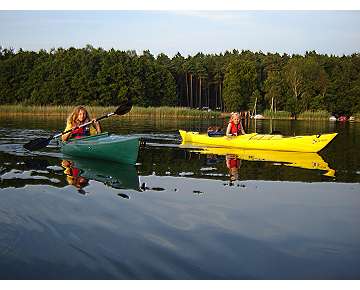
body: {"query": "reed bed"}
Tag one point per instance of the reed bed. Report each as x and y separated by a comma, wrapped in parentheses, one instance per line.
(172, 112)
(152, 112)
(34, 110)
(314, 115)
(277, 115)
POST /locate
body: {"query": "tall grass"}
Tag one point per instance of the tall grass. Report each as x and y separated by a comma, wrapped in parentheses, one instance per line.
(307, 115)
(172, 112)
(51, 110)
(34, 110)
(151, 112)
(314, 115)
(277, 115)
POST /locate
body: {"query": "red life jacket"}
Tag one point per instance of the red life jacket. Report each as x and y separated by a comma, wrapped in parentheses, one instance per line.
(75, 172)
(234, 163)
(80, 132)
(235, 130)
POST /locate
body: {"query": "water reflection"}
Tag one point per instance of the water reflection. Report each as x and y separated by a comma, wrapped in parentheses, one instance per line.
(233, 163)
(18, 172)
(28, 170)
(113, 174)
(73, 176)
(311, 161)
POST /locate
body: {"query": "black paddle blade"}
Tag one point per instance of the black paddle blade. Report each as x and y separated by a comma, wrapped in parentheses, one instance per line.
(124, 108)
(37, 144)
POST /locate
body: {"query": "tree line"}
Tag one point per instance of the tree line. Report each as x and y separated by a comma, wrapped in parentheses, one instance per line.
(230, 81)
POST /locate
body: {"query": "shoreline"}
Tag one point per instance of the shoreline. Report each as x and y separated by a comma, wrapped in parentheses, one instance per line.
(150, 112)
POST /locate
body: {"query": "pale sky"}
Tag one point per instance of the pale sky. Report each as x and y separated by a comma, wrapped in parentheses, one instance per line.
(187, 32)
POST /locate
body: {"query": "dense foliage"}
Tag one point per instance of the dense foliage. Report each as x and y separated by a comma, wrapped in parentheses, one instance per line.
(229, 81)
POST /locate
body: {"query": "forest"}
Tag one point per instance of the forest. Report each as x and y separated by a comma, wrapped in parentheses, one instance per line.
(229, 81)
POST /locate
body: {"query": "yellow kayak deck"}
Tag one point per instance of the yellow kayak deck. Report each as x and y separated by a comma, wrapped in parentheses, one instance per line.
(309, 143)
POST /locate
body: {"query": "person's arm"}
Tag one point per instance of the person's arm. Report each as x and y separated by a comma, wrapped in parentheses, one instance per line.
(95, 128)
(66, 136)
(242, 129)
(228, 130)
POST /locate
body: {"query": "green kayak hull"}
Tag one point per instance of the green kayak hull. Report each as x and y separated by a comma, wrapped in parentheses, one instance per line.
(104, 146)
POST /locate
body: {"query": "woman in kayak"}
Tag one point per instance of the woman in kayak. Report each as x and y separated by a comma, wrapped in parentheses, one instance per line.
(235, 127)
(78, 117)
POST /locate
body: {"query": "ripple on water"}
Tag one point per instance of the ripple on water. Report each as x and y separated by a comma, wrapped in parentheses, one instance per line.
(208, 168)
(15, 174)
(18, 174)
(10, 234)
(186, 173)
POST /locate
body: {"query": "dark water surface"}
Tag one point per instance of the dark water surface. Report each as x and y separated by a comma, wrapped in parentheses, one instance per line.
(180, 213)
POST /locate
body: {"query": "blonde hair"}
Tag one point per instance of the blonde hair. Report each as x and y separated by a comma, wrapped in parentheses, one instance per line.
(233, 115)
(75, 113)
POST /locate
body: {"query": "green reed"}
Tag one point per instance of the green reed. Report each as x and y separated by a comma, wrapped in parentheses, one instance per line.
(314, 115)
(277, 115)
(172, 112)
(34, 110)
(154, 112)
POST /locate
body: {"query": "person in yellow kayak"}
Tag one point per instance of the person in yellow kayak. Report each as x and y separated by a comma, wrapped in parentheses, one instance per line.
(235, 127)
(77, 118)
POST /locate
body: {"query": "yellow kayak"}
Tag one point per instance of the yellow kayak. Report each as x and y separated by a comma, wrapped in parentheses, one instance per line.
(304, 160)
(310, 143)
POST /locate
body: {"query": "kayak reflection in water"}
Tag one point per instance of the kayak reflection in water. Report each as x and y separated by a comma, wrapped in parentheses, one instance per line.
(233, 164)
(73, 176)
(77, 118)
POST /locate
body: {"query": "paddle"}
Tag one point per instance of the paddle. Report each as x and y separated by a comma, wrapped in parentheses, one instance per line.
(39, 143)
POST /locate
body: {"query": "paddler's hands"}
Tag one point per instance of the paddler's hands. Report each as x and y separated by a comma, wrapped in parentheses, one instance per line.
(96, 125)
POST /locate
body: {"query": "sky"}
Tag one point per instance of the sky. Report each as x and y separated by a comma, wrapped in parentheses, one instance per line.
(329, 32)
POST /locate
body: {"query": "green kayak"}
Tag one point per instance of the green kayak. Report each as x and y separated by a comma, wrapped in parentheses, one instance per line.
(104, 147)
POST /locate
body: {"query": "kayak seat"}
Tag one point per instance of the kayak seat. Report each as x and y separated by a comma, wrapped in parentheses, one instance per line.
(216, 133)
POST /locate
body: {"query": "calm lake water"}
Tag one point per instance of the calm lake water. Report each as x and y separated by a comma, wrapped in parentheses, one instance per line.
(180, 213)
